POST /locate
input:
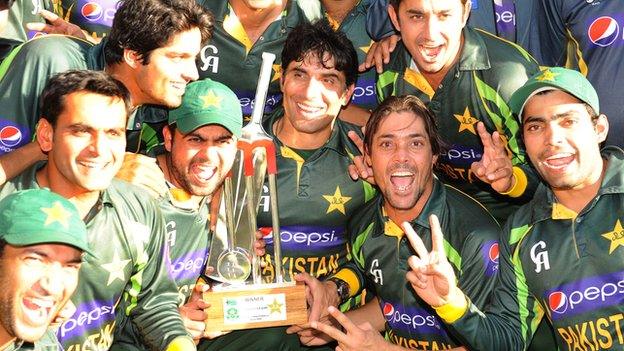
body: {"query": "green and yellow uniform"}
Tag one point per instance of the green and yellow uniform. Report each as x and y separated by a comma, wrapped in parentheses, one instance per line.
(24, 74)
(316, 198)
(354, 27)
(475, 89)
(128, 281)
(565, 266)
(187, 240)
(381, 250)
(232, 59)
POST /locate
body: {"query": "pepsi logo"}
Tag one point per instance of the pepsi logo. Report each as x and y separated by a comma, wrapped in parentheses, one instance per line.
(493, 253)
(558, 302)
(388, 310)
(603, 31)
(92, 11)
(10, 136)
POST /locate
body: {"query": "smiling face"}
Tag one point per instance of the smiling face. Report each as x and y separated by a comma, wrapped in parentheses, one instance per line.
(431, 30)
(561, 140)
(313, 95)
(163, 79)
(86, 147)
(402, 160)
(38, 280)
(200, 160)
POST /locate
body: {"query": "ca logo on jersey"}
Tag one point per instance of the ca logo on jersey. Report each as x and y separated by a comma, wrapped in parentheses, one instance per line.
(376, 272)
(209, 59)
(540, 258)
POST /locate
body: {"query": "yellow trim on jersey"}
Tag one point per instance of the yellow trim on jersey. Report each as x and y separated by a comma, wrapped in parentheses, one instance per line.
(290, 153)
(418, 81)
(582, 65)
(559, 211)
(232, 25)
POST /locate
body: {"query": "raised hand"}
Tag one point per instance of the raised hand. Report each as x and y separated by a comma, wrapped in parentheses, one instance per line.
(319, 295)
(379, 53)
(58, 25)
(143, 171)
(354, 337)
(495, 166)
(432, 276)
(359, 169)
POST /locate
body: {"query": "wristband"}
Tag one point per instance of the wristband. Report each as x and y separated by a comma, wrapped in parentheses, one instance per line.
(519, 181)
(452, 311)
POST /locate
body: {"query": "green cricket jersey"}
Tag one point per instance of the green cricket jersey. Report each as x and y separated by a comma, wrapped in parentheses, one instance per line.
(128, 281)
(354, 27)
(561, 265)
(475, 89)
(22, 12)
(381, 250)
(316, 197)
(24, 74)
(187, 240)
(231, 58)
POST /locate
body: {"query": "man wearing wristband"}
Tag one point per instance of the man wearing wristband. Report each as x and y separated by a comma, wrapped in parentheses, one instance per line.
(562, 255)
(402, 145)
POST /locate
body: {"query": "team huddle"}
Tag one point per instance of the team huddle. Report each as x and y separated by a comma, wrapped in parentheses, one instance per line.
(442, 183)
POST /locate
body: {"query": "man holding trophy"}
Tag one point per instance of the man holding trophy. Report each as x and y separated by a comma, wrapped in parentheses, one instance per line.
(316, 194)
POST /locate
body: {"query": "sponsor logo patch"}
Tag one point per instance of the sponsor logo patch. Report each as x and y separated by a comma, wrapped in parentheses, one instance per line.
(587, 294)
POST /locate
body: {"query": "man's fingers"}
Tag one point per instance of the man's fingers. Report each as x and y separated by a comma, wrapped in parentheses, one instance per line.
(39, 27)
(196, 329)
(498, 169)
(415, 241)
(48, 15)
(357, 140)
(330, 331)
(485, 137)
(346, 323)
(437, 239)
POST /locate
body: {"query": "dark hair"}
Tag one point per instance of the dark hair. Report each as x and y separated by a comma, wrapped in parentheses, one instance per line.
(396, 3)
(404, 103)
(146, 25)
(319, 39)
(6, 4)
(60, 85)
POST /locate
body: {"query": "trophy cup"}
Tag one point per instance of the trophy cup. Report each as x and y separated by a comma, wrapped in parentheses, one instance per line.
(239, 299)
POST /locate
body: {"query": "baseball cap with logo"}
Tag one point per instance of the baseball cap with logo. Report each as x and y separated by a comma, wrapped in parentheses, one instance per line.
(39, 216)
(555, 78)
(208, 102)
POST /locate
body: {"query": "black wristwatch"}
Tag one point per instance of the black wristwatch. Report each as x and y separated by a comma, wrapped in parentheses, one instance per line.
(342, 288)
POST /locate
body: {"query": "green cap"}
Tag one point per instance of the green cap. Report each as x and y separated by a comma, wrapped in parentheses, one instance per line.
(555, 78)
(39, 216)
(208, 102)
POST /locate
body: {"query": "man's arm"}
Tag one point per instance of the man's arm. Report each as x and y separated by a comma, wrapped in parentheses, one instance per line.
(151, 298)
(17, 161)
(501, 327)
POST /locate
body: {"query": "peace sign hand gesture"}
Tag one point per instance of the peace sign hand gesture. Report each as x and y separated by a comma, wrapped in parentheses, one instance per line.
(432, 276)
(495, 167)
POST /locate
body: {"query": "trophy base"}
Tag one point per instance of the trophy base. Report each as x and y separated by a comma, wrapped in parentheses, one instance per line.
(255, 306)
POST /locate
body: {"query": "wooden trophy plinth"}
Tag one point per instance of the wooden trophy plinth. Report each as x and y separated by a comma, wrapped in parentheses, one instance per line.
(255, 306)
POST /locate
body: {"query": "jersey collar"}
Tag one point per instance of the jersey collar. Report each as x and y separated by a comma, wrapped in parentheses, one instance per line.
(434, 205)
(474, 55)
(334, 142)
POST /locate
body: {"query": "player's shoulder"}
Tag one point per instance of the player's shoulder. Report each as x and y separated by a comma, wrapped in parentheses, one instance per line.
(467, 213)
